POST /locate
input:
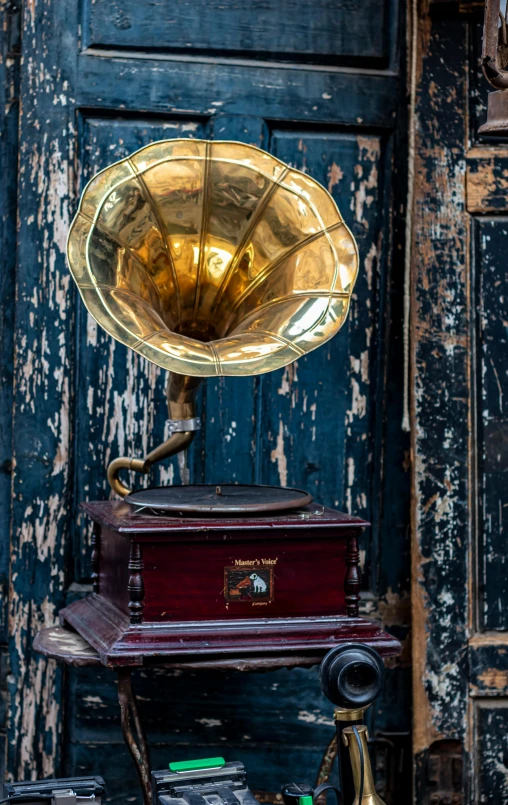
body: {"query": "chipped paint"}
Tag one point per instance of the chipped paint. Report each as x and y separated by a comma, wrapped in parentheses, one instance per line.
(487, 181)
(367, 177)
(278, 456)
(335, 174)
(315, 717)
(496, 678)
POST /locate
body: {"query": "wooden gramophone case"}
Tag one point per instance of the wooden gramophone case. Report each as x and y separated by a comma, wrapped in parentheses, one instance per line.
(169, 586)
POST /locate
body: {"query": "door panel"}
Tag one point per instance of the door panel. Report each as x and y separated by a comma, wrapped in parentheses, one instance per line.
(275, 723)
(81, 399)
(161, 83)
(491, 246)
(491, 738)
(325, 30)
(9, 109)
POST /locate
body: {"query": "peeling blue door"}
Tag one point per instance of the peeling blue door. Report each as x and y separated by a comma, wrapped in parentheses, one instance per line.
(318, 85)
(460, 428)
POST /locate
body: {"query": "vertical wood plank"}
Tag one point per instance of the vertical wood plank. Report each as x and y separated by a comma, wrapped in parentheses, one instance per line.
(9, 110)
(43, 381)
(387, 570)
(441, 411)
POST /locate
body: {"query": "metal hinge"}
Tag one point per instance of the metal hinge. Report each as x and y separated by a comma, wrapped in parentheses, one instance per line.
(444, 774)
(392, 766)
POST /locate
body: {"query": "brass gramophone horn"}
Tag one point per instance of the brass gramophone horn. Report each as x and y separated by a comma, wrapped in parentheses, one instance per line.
(210, 258)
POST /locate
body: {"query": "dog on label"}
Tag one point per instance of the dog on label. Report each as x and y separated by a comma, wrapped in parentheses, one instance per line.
(258, 583)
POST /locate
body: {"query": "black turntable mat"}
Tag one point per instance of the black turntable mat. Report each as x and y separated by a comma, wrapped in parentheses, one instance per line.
(218, 499)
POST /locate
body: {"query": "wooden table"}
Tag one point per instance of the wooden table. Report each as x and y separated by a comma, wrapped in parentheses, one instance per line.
(67, 646)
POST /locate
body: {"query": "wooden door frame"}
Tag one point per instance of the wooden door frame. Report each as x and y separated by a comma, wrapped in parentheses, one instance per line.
(443, 448)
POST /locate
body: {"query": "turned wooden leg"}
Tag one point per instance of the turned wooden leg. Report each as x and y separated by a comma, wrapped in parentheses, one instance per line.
(136, 585)
(353, 580)
(96, 536)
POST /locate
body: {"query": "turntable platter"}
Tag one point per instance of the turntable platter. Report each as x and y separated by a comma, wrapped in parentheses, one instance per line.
(217, 499)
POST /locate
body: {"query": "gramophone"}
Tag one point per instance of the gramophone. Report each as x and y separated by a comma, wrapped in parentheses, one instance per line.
(214, 258)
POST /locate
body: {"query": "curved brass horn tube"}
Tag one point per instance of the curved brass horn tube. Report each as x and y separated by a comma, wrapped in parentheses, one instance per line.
(181, 397)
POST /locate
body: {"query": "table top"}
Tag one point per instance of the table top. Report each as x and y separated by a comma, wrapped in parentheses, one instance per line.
(67, 646)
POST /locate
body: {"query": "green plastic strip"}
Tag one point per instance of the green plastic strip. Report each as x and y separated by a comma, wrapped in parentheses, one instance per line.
(198, 765)
(305, 800)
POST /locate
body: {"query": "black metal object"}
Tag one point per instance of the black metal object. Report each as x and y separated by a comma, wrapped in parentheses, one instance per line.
(217, 499)
(291, 792)
(351, 677)
(225, 784)
(64, 791)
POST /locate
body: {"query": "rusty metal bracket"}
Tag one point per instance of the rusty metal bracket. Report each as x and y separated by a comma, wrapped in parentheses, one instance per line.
(136, 744)
(495, 45)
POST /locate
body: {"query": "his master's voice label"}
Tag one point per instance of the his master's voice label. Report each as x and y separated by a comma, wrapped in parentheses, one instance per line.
(249, 582)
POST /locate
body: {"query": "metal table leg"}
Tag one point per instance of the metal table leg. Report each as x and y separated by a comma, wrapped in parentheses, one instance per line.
(136, 744)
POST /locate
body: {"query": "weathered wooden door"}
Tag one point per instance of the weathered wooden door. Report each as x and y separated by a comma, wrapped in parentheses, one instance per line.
(460, 431)
(317, 84)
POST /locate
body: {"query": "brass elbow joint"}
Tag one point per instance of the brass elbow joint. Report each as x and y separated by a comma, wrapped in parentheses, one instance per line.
(182, 425)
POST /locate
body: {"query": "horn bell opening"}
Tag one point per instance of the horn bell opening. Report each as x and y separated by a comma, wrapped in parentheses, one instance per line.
(212, 258)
